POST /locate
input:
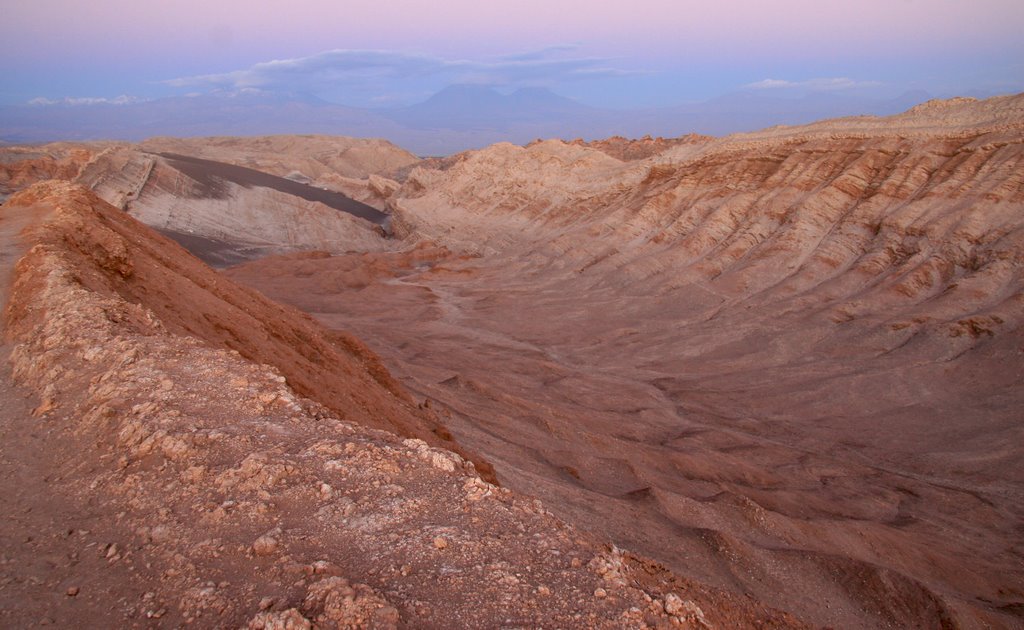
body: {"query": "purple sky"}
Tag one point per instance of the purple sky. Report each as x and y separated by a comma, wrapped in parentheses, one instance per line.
(377, 52)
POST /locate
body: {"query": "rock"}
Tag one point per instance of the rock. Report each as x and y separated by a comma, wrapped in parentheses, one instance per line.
(265, 545)
(48, 405)
(609, 567)
(440, 459)
(72, 591)
(685, 611)
(476, 489)
(160, 534)
(290, 619)
(440, 543)
(201, 600)
(600, 593)
(193, 474)
(508, 580)
(324, 567)
(333, 603)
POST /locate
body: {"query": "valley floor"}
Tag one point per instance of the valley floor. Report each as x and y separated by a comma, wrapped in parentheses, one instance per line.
(754, 450)
(152, 478)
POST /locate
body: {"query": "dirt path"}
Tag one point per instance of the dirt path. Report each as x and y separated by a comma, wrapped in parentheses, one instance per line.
(49, 544)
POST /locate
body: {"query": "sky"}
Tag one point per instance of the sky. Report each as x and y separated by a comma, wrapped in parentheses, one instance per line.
(376, 53)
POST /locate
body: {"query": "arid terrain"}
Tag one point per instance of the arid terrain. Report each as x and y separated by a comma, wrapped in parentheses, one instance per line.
(784, 369)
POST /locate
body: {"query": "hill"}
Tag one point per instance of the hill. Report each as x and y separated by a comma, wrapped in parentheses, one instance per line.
(783, 362)
(171, 473)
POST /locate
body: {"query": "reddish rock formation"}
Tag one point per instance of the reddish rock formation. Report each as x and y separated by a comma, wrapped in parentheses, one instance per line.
(628, 149)
(784, 363)
(21, 167)
(185, 484)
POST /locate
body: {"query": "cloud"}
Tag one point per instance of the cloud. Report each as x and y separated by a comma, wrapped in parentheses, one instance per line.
(357, 68)
(124, 99)
(542, 53)
(817, 85)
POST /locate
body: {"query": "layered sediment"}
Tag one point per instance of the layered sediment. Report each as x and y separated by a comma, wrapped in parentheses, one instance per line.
(786, 365)
(783, 363)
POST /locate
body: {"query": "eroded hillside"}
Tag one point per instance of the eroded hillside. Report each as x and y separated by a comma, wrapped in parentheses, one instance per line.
(327, 189)
(786, 363)
(364, 169)
(183, 481)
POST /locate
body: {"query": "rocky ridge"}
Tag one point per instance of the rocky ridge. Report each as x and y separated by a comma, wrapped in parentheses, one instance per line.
(23, 166)
(226, 222)
(364, 169)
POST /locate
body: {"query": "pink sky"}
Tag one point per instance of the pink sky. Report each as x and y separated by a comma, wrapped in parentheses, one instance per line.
(649, 28)
(748, 40)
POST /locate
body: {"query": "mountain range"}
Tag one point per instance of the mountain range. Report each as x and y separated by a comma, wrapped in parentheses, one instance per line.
(457, 118)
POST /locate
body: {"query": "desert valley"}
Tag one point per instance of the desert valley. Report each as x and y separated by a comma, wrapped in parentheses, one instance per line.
(772, 379)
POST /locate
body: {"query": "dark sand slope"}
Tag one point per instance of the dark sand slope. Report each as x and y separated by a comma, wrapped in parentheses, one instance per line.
(222, 212)
(228, 198)
(786, 363)
(226, 213)
(210, 174)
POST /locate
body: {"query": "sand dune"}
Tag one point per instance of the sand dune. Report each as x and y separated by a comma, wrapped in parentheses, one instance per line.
(225, 211)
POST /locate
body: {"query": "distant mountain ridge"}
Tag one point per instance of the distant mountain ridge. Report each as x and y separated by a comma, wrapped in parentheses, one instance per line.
(457, 118)
(469, 107)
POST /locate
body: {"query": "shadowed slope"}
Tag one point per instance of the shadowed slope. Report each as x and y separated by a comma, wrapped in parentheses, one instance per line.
(208, 173)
